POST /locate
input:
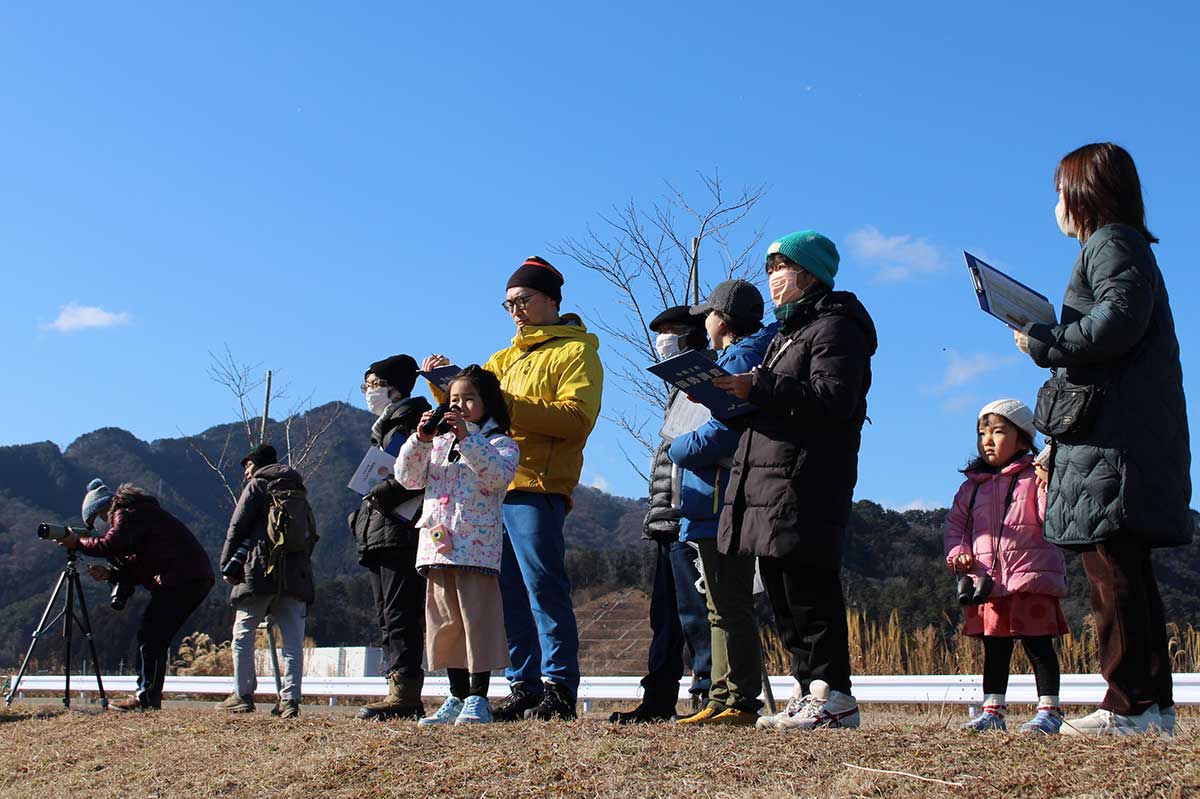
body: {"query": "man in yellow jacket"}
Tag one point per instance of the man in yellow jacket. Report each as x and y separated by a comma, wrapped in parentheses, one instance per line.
(552, 379)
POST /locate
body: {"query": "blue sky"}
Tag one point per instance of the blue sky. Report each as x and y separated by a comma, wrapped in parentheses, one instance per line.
(317, 187)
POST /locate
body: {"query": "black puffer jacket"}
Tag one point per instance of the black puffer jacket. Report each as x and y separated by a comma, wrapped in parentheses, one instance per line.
(373, 526)
(249, 523)
(797, 461)
(662, 519)
(1131, 471)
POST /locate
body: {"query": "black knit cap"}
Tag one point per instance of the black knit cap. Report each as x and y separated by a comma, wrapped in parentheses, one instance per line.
(537, 273)
(260, 456)
(398, 371)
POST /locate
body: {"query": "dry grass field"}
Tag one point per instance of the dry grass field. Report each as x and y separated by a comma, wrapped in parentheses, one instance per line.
(194, 752)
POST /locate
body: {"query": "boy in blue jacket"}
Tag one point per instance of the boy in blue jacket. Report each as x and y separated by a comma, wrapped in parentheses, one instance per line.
(733, 320)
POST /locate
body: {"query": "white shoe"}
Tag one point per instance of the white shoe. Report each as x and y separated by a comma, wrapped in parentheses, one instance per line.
(1105, 722)
(795, 702)
(1168, 720)
(821, 708)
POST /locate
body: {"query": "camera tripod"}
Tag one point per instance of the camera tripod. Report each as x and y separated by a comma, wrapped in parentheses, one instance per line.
(69, 577)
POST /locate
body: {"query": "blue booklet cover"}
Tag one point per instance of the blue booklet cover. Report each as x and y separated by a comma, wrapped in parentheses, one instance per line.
(441, 376)
(692, 373)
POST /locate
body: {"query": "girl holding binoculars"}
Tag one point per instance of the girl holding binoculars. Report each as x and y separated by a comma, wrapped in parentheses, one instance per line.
(1011, 578)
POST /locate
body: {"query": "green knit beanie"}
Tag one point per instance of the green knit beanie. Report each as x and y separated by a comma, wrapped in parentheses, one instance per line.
(811, 251)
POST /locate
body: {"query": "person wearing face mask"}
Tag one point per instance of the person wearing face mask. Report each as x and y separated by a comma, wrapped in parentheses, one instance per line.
(733, 319)
(155, 550)
(793, 478)
(387, 543)
(1119, 478)
(678, 617)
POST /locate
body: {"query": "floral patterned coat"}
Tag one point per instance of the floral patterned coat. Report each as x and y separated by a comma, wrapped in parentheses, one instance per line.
(465, 482)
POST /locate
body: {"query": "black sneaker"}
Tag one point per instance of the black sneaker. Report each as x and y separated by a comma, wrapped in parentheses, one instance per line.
(513, 706)
(557, 703)
(643, 714)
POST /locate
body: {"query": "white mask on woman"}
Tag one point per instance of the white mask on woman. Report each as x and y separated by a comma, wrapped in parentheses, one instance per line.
(377, 399)
(100, 525)
(784, 284)
(668, 345)
(1064, 220)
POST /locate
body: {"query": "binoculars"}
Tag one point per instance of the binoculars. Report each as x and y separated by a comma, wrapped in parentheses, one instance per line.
(971, 594)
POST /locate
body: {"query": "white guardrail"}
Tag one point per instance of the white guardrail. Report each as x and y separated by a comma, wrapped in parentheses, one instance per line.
(1077, 689)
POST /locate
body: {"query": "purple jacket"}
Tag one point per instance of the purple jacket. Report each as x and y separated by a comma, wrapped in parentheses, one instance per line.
(1006, 542)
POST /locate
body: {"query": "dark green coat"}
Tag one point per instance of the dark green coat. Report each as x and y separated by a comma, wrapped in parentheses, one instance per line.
(1130, 472)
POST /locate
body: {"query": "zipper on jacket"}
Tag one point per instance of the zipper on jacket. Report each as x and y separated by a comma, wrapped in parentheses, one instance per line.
(716, 490)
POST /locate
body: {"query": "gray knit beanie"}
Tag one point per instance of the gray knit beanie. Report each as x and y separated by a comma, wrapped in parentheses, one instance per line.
(97, 499)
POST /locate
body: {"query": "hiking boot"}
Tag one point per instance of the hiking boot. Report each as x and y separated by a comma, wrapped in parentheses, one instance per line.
(643, 714)
(990, 718)
(130, 705)
(1105, 722)
(402, 702)
(446, 714)
(235, 703)
(513, 706)
(1047, 721)
(286, 709)
(820, 708)
(557, 703)
(733, 717)
(475, 710)
(701, 717)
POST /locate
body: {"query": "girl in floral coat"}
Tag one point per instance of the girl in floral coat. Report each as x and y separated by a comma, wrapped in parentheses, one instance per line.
(465, 471)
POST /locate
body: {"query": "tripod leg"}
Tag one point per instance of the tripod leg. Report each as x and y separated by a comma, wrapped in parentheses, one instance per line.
(274, 657)
(86, 626)
(68, 617)
(37, 633)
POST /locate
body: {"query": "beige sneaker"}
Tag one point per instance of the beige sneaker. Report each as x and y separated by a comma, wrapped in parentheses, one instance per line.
(1105, 722)
(234, 703)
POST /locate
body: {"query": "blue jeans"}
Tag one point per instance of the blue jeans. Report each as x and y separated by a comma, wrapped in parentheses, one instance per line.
(543, 640)
(678, 617)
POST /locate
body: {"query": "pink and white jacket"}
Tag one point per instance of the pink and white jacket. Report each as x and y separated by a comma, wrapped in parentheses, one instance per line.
(1008, 544)
(461, 523)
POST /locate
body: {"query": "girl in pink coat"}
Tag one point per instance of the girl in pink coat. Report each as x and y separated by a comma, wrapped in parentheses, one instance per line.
(1011, 578)
(465, 470)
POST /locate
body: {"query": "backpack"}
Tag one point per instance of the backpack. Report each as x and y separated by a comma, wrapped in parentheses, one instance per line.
(290, 522)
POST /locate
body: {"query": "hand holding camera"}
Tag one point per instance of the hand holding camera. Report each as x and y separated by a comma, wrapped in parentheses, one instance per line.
(434, 423)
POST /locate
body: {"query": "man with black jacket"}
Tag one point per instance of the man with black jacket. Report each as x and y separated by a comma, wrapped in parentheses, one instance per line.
(387, 542)
(267, 580)
(678, 614)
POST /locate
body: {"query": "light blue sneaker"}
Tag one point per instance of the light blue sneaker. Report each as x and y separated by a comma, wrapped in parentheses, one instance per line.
(475, 710)
(1047, 721)
(446, 714)
(992, 718)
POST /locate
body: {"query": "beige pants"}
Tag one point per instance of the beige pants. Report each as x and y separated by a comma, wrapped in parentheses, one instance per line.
(464, 621)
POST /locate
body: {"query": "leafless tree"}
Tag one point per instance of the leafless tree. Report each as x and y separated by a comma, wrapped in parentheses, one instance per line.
(302, 432)
(646, 255)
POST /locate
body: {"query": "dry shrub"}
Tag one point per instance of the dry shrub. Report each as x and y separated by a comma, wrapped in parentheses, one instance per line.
(199, 656)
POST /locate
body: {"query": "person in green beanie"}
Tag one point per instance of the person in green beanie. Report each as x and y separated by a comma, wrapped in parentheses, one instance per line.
(789, 495)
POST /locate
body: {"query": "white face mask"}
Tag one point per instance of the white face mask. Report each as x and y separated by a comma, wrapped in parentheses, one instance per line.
(668, 345)
(377, 399)
(100, 525)
(1064, 221)
(785, 286)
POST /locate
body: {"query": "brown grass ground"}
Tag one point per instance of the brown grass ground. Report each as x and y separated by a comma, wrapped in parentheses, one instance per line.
(192, 752)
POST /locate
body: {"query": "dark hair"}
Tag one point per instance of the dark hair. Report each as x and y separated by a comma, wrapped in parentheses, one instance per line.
(488, 386)
(976, 462)
(1100, 186)
(127, 496)
(739, 327)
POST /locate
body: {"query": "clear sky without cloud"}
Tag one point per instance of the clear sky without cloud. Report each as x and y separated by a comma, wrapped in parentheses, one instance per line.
(320, 185)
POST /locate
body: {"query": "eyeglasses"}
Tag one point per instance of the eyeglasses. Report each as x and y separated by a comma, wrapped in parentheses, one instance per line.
(518, 303)
(777, 261)
(373, 384)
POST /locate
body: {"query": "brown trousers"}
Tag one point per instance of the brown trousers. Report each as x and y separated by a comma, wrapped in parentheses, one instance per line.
(464, 621)
(1130, 625)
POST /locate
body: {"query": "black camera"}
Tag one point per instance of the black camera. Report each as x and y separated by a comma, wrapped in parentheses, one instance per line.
(235, 568)
(122, 587)
(55, 532)
(437, 424)
(971, 594)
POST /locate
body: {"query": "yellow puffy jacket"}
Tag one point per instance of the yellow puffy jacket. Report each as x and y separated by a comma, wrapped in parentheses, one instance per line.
(553, 380)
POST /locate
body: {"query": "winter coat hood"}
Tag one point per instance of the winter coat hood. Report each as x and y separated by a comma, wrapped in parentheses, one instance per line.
(403, 416)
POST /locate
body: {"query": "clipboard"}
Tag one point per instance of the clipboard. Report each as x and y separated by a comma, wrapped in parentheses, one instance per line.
(1008, 299)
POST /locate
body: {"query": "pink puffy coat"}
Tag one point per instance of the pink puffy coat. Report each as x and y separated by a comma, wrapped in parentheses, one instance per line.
(1008, 544)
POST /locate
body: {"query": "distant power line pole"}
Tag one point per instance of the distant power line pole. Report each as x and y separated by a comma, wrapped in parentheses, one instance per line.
(695, 276)
(262, 432)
